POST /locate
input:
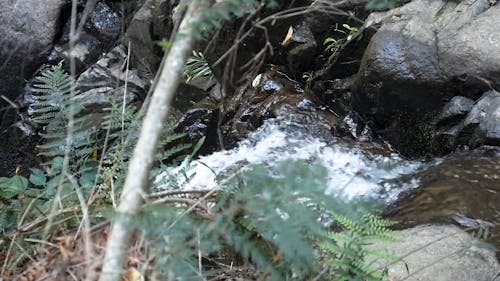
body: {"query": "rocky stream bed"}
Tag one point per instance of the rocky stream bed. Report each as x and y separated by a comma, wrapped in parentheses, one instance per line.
(407, 115)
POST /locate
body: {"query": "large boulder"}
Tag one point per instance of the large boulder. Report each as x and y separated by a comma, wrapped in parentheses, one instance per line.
(439, 252)
(27, 31)
(97, 37)
(423, 54)
(29, 28)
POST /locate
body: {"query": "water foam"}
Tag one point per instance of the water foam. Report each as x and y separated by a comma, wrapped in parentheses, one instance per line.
(351, 171)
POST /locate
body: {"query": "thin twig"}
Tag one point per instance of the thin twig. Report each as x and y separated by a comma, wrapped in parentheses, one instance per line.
(177, 192)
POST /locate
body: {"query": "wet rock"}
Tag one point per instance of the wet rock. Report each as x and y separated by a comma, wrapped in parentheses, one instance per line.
(104, 83)
(29, 28)
(457, 108)
(423, 54)
(464, 123)
(99, 34)
(154, 17)
(354, 126)
(336, 94)
(439, 252)
(463, 189)
(201, 121)
(301, 47)
(271, 92)
(484, 120)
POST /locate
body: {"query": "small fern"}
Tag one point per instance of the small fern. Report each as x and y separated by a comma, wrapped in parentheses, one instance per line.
(197, 67)
(54, 90)
(334, 45)
(346, 251)
(54, 106)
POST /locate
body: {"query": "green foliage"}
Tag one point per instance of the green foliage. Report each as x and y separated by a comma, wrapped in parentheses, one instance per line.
(214, 17)
(260, 221)
(53, 93)
(334, 45)
(24, 201)
(197, 67)
(165, 44)
(54, 108)
(270, 217)
(11, 192)
(25, 205)
(346, 252)
(309, 77)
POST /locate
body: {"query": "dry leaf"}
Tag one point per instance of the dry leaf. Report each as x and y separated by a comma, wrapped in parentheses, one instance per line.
(132, 274)
(65, 246)
(288, 37)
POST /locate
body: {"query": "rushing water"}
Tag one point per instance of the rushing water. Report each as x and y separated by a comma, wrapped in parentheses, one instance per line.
(352, 170)
(463, 188)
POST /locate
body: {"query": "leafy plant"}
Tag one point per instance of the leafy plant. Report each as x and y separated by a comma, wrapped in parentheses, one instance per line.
(196, 67)
(53, 108)
(28, 203)
(346, 251)
(334, 45)
(309, 77)
(253, 220)
(214, 17)
(11, 192)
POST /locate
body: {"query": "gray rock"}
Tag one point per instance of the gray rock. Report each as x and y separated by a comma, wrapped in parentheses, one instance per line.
(105, 82)
(104, 21)
(154, 17)
(86, 51)
(463, 122)
(26, 37)
(445, 138)
(484, 118)
(457, 107)
(423, 54)
(302, 51)
(461, 188)
(444, 253)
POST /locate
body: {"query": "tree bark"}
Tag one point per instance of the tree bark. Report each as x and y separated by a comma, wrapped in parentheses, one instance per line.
(137, 181)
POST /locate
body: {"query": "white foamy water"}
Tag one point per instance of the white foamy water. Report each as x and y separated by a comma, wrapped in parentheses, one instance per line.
(351, 171)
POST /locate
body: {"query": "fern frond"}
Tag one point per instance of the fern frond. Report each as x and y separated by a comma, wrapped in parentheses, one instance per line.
(183, 147)
(196, 67)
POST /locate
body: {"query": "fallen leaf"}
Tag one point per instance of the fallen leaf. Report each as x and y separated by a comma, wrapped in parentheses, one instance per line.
(132, 274)
(288, 37)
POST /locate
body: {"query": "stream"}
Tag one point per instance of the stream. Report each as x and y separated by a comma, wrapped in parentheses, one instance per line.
(462, 188)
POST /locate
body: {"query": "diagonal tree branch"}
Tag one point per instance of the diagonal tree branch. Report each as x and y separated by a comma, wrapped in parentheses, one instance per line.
(137, 181)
